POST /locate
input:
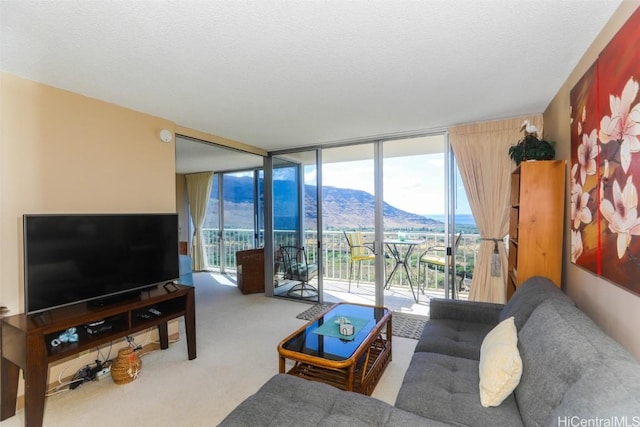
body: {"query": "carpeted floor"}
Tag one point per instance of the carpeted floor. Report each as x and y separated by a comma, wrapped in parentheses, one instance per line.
(237, 353)
(404, 325)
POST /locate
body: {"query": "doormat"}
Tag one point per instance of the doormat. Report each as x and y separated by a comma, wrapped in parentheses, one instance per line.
(314, 310)
(408, 325)
(404, 325)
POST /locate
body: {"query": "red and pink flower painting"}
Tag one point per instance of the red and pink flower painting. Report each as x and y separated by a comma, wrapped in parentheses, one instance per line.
(605, 159)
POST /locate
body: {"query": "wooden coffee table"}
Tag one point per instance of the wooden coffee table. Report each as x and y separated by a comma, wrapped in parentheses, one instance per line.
(356, 363)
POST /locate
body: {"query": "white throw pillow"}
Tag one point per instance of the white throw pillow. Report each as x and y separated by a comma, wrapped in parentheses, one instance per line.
(500, 363)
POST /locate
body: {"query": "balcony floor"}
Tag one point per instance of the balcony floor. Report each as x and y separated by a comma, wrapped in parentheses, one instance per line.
(397, 299)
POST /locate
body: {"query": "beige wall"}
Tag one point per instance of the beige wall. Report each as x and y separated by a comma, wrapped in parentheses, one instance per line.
(616, 310)
(65, 153)
(62, 152)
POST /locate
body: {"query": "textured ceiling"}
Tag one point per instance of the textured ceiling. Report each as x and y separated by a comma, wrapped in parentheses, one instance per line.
(278, 74)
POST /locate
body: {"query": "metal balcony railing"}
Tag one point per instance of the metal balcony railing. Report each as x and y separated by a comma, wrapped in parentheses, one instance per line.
(336, 252)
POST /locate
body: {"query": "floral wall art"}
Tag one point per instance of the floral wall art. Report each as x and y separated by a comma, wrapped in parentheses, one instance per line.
(605, 162)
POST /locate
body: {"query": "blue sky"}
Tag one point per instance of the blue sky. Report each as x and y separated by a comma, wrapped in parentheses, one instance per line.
(414, 184)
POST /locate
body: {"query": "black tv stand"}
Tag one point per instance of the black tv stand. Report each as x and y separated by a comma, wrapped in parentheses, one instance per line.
(26, 340)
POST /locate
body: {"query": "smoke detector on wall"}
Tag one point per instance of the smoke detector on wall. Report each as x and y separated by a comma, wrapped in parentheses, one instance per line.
(166, 135)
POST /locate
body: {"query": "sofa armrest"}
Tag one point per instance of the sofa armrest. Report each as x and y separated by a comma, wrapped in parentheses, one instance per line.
(465, 311)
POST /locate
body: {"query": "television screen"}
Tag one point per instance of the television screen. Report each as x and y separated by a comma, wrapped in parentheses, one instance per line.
(83, 257)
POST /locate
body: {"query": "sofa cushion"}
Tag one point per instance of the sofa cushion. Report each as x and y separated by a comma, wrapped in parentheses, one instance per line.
(500, 363)
(465, 311)
(554, 355)
(453, 337)
(286, 400)
(610, 389)
(529, 295)
(457, 328)
(445, 388)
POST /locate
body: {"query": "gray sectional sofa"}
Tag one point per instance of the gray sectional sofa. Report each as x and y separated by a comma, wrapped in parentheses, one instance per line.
(573, 374)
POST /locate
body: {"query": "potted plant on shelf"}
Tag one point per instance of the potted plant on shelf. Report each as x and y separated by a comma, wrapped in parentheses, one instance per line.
(530, 147)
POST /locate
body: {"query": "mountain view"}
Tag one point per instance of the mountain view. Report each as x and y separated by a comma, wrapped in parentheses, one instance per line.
(343, 208)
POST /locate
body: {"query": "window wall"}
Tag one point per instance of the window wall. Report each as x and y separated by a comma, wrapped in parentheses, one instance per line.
(385, 190)
(400, 197)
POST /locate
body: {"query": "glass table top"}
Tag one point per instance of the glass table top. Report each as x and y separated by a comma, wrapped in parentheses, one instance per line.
(308, 342)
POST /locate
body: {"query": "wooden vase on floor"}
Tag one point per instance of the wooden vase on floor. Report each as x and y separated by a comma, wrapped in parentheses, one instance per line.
(126, 366)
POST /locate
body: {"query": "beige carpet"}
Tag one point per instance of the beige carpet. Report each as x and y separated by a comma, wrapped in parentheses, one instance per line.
(237, 337)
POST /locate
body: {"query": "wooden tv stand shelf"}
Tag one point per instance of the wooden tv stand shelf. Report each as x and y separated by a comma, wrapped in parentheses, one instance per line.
(26, 339)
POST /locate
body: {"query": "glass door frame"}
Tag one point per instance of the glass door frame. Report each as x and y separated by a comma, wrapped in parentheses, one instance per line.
(269, 246)
(449, 207)
(378, 195)
(221, 243)
(450, 204)
(450, 224)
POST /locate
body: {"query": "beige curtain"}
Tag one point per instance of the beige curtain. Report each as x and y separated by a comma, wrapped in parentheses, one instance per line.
(198, 191)
(482, 153)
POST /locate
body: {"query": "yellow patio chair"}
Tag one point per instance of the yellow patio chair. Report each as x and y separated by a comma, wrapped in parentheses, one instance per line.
(358, 252)
(435, 257)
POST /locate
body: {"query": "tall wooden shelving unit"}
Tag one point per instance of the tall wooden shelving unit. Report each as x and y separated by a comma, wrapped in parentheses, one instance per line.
(536, 222)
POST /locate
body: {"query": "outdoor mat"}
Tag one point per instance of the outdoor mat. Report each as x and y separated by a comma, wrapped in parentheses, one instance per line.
(314, 310)
(408, 325)
(404, 325)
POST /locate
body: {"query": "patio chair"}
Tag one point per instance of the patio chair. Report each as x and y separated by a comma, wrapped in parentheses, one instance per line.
(296, 267)
(358, 252)
(435, 257)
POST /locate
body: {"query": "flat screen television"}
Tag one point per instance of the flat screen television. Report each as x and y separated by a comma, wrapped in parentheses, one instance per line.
(94, 257)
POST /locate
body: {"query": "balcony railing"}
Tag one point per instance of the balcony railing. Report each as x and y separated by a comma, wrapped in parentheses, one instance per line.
(336, 252)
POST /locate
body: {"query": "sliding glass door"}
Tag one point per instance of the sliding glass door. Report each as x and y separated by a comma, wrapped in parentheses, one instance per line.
(232, 218)
(414, 188)
(238, 215)
(386, 218)
(348, 213)
(296, 243)
(429, 230)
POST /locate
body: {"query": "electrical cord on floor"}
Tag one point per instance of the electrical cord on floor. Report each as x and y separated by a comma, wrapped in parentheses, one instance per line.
(100, 355)
(60, 387)
(89, 372)
(131, 342)
(145, 341)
